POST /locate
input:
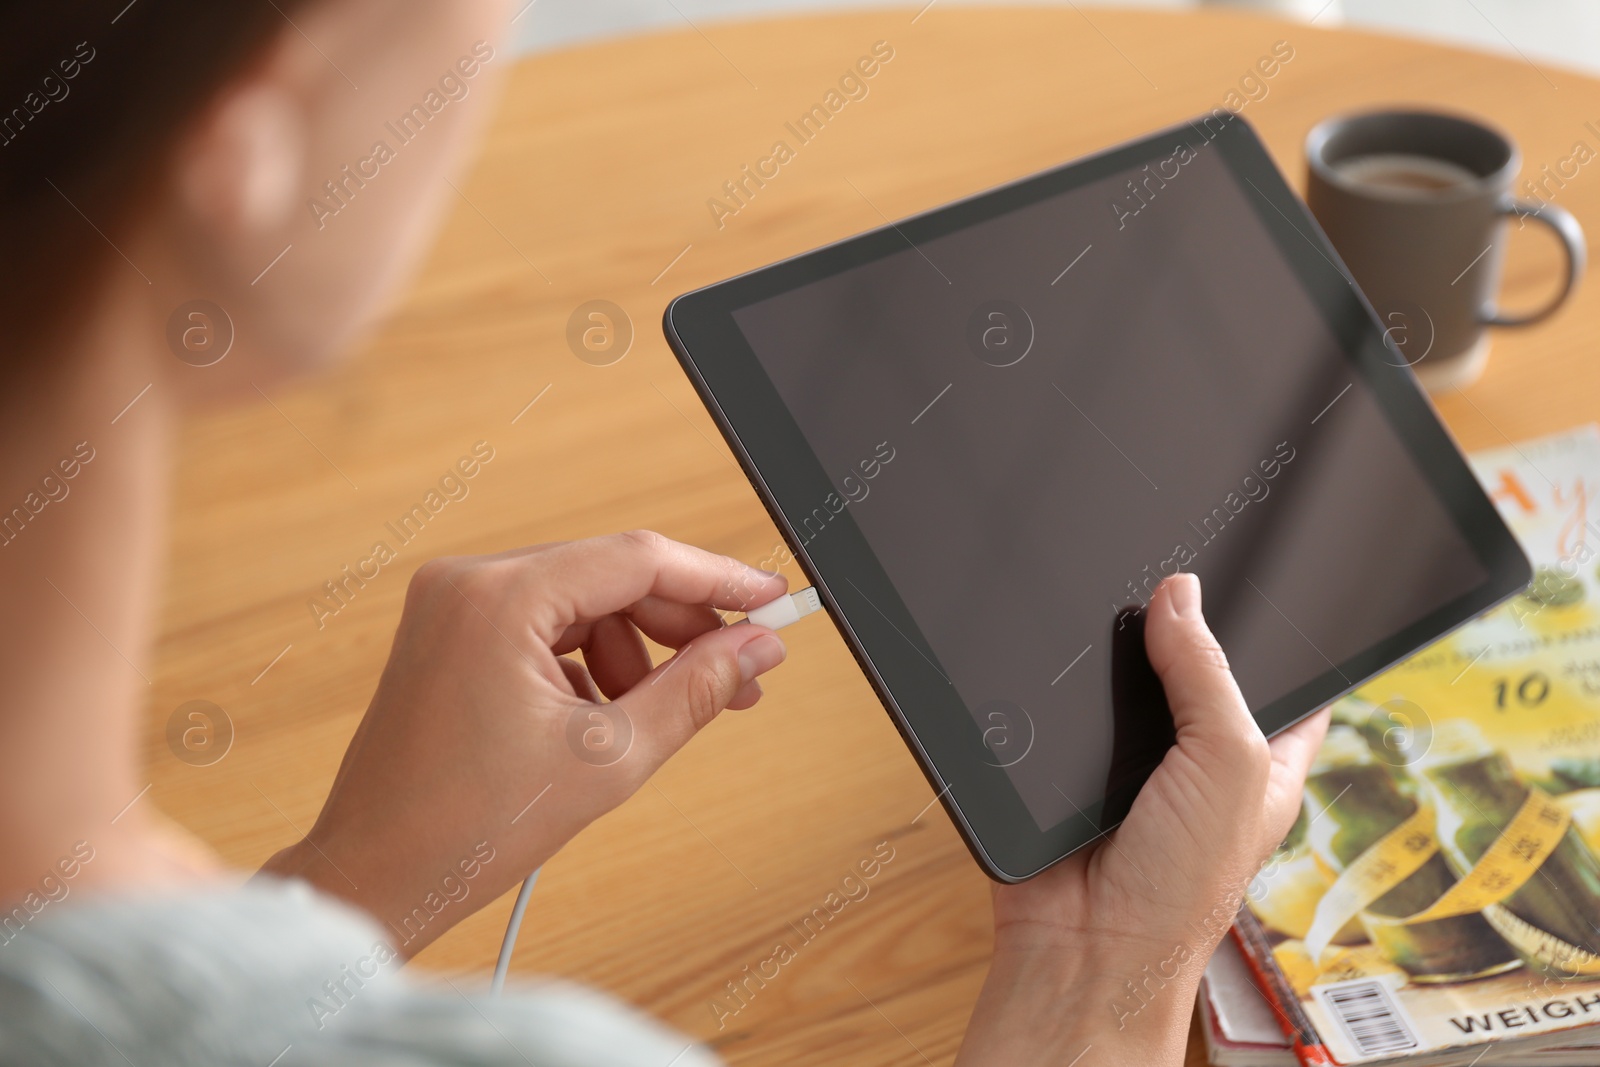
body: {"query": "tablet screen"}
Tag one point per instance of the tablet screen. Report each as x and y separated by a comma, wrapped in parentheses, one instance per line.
(1031, 419)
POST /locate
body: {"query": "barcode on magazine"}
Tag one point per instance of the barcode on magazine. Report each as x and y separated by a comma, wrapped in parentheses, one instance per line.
(1369, 1017)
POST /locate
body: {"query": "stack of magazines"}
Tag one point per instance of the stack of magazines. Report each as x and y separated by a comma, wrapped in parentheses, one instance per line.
(1438, 901)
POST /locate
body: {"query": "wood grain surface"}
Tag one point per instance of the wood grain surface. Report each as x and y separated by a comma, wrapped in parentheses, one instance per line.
(594, 185)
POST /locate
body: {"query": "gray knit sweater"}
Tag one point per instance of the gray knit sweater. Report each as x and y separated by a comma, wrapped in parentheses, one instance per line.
(274, 975)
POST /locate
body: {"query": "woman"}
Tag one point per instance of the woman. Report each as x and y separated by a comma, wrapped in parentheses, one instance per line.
(159, 150)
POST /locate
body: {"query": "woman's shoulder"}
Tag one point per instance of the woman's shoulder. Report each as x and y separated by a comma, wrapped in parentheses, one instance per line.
(274, 973)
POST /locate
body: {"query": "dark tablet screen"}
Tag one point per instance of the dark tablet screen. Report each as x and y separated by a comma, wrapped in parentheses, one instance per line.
(1030, 419)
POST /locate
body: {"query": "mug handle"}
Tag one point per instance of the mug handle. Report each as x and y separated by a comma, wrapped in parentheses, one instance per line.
(1571, 234)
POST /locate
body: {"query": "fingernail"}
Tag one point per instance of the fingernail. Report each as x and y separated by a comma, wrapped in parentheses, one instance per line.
(1185, 593)
(760, 656)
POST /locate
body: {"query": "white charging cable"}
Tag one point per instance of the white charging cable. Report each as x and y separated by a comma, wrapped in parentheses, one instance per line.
(513, 927)
(774, 616)
(786, 609)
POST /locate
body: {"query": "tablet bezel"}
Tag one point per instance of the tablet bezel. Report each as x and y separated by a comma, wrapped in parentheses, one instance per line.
(937, 727)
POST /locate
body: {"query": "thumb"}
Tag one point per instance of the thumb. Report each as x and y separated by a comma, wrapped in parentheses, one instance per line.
(680, 697)
(1201, 691)
(1221, 756)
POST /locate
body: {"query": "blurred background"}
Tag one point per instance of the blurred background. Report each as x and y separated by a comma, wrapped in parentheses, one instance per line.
(1565, 32)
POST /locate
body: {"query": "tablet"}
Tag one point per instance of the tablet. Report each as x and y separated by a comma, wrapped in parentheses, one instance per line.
(988, 431)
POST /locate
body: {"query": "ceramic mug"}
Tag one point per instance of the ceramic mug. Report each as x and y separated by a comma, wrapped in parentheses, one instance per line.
(1418, 204)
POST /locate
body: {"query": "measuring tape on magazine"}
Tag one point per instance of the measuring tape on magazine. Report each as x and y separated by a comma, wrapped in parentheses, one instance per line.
(1514, 857)
(1555, 955)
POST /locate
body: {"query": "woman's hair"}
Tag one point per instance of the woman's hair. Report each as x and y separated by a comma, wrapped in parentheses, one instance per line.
(93, 94)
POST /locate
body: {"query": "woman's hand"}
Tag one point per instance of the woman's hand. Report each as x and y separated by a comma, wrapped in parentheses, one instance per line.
(1104, 951)
(485, 749)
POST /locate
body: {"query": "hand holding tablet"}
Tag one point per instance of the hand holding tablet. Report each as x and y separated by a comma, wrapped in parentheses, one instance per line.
(1145, 362)
(1105, 950)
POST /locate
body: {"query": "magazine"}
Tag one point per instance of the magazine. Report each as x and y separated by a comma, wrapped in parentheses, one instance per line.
(1241, 1027)
(1440, 893)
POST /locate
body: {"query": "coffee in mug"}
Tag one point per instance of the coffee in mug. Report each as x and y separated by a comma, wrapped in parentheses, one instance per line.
(1404, 171)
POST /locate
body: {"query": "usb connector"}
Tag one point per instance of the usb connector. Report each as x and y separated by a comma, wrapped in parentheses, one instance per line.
(785, 609)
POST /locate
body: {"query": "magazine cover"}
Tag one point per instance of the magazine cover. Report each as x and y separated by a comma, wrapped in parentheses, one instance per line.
(1441, 889)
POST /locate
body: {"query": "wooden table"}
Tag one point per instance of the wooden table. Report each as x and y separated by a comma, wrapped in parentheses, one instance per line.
(594, 185)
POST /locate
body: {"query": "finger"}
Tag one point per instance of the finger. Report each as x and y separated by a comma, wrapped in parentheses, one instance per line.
(669, 623)
(584, 580)
(613, 650)
(1194, 673)
(508, 554)
(572, 638)
(746, 698)
(524, 550)
(615, 655)
(1295, 748)
(578, 680)
(681, 696)
(1293, 752)
(665, 622)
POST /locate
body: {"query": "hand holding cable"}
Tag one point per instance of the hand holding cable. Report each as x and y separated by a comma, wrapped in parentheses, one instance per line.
(481, 726)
